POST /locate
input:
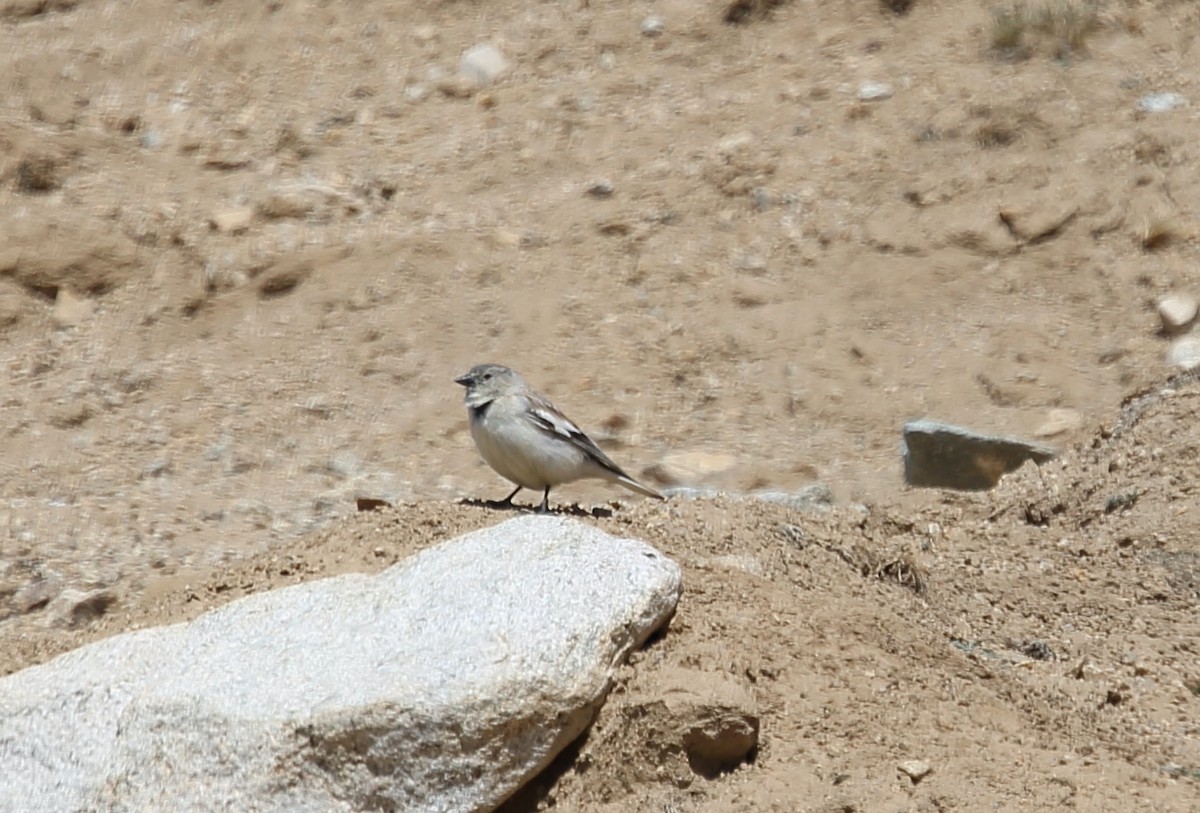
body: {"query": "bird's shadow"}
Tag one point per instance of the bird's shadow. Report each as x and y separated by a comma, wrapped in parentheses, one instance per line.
(573, 510)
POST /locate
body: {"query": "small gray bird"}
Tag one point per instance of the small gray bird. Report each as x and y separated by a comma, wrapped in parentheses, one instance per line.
(528, 441)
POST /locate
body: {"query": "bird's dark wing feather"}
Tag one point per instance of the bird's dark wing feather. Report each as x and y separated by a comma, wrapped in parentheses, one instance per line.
(547, 417)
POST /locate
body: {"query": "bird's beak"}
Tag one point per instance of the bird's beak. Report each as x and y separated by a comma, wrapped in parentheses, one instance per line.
(465, 380)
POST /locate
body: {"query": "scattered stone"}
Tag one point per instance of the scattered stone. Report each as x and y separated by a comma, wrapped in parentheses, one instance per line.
(1184, 353)
(74, 607)
(226, 156)
(817, 497)
(1040, 217)
(1059, 422)
(443, 683)
(70, 309)
(44, 255)
(716, 717)
(370, 504)
(1037, 650)
(289, 203)
(874, 91)
(483, 64)
(1177, 312)
(687, 468)
(151, 139)
(940, 455)
(457, 87)
(971, 228)
(600, 188)
(416, 93)
(753, 293)
(380, 487)
(71, 415)
(36, 595)
(284, 277)
(915, 769)
(652, 26)
(1160, 102)
(285, 274)
(232, 221)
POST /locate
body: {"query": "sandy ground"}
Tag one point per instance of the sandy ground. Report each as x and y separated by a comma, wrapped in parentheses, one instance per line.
(245, 248)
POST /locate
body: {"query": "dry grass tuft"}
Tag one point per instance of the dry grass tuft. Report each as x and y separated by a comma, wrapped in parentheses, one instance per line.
(1157, 231)
(901, 569)
(1058, 28)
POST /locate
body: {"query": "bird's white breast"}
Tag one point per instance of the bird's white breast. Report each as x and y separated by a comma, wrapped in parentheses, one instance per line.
(521, 452)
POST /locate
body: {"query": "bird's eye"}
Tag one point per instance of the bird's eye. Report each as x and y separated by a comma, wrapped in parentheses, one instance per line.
(487, 376)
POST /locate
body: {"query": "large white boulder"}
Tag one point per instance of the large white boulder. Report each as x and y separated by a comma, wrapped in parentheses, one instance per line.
(441, 684)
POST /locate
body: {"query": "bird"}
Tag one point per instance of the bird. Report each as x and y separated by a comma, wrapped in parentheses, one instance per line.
(529, 441)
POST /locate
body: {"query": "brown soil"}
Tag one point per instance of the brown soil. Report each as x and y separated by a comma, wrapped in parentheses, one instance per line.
(245, 247)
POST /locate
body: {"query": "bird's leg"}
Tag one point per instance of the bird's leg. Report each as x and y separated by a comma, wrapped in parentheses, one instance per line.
(545, 506)
(507, 501)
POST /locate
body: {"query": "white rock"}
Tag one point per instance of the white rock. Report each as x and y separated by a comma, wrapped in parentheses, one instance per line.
(443, 684)
(483, 64)
(915, 769)
(1177, 312)
(1160, 102)
(652, 26)
(1184, 353)
(874, 91)
(601, 188)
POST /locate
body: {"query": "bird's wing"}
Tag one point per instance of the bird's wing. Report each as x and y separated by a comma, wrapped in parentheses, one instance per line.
(545, 416)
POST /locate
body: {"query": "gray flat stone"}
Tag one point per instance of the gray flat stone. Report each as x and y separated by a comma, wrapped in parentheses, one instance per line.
(441, 684)
(941, 455)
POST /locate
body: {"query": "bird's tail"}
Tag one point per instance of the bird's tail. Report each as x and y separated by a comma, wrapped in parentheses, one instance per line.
(634, 485)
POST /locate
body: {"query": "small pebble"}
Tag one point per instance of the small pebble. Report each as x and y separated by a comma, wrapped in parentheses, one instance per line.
(1160, 102)
(1184, 353)
(36, 595)
(600, 188)
(915, 769)
(75, 607)
(151, 139)
(483, 64)
(1177, 312)
(652, 26)
(232, 221)
(416, 93)
(874, 91)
